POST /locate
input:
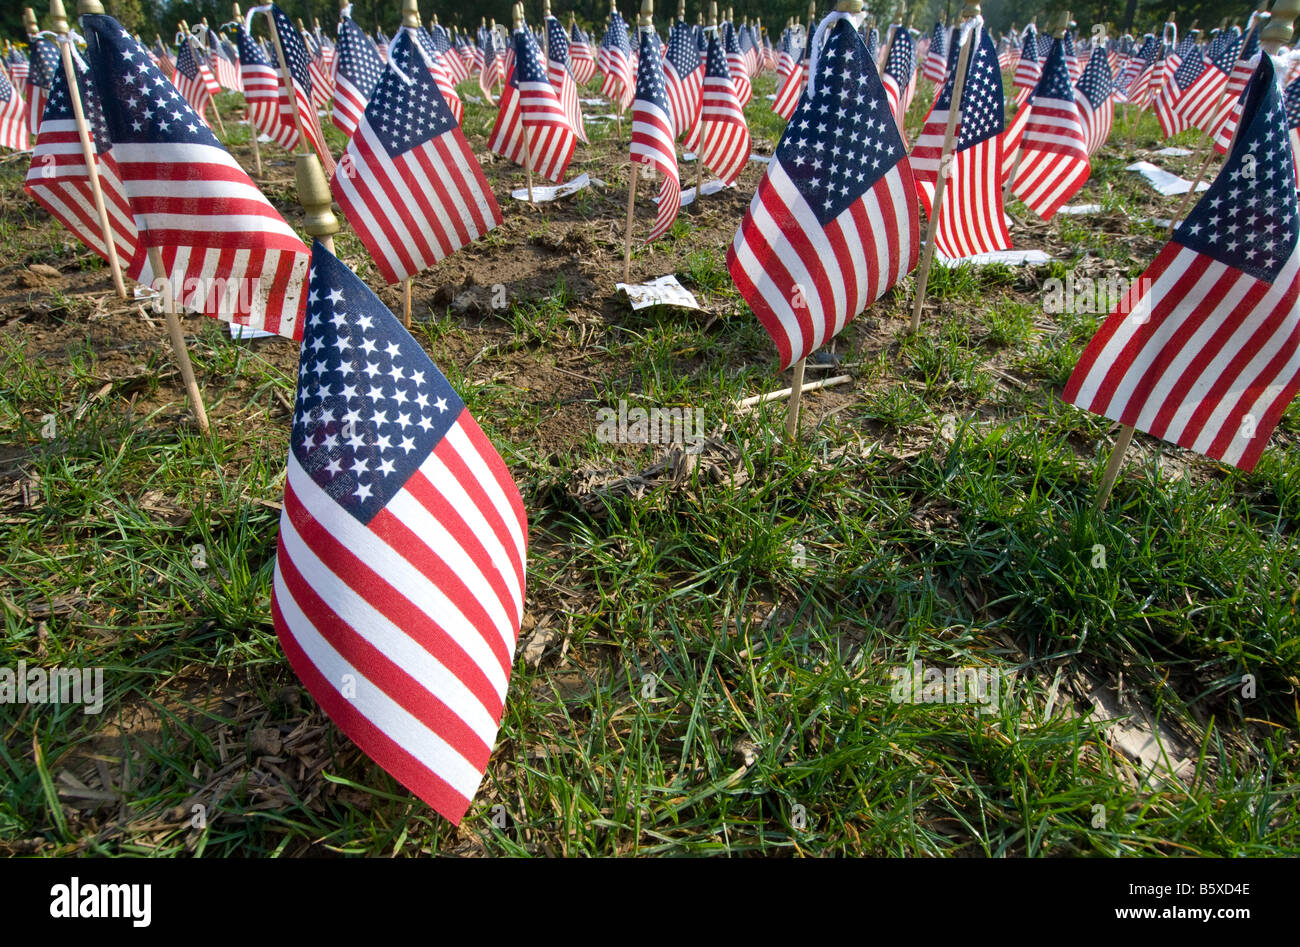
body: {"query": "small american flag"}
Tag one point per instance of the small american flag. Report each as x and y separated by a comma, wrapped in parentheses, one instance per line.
(614, 60)
(1095, 97)
(299, 72)
(1029, 69)
(834, 221)
(410, 186)
(788, 58)
(440, 75)
(1197, 105)
(653, 131)
(1291, 100)
(1204, 351)
(684, 80)
(1072, 64)
(899, 76)
(226, 250)
(18, 70)
(162, 55)
(872, 39)
(357, 74)
(399, 576)
(971, 219)
(225, 63)
(1234, 90)
(529, 106)
(451, 61)
(195, 79)
(736, 65)
(13, 116)
(492, 70)
(1134, 82)
(787, 94)
(581, 61)
(265, 99)
(322, 88)
(557, 48)
(935, 67)
(724, 135)
(1054, 159)
(43, 64)
(59, 182)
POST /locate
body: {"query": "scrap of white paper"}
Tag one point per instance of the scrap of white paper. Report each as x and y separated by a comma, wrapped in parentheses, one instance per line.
(473, 98)
(709, 187)
(1174, 152)
(599, 118)
(1163, 181)
(593, 101)
(542, 193)
(664, 291)
(761, 159)
(771, 96)
(248, 332)
(688, 156)
(1077, 209)
(1010, 257)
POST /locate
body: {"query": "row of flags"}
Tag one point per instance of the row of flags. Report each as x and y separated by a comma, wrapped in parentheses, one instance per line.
(400, 570)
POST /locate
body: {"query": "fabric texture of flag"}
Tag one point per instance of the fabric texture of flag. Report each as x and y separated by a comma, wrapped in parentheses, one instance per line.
(411, 187)
(899, 76)
(834, 222)
(441, 78)
(226, 252)
(1234, 90)
(451, 61)
(1095, 96)
(653, 131)
(43, 63)
(265, 99)
(491, 72)
(399, 578)
(529, 107)
(1053, 162)
(1029, 69)
(59, 181)
(614, 60)
(736, 66)
(195, 79)
(581, 60)
(357, 72)
(296, 56)
(557, 69)
(1204, 350)
(1291, 102)
(789, 90)
(971, 219)
(225, 63)
(724, 134)
(935, 65)
(16, 62)
(684, 81)
(13, 117)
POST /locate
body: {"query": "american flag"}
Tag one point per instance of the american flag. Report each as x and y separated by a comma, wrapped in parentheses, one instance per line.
(1199, 105)
(296, 56)
(1204, 351)
(492, 70)
(970, 219)
(557, 48)
(399, 575)
(529, 106)
(265, 99)
(1072, 64)
(410, 186)
(356, 75)
(1242, 70)
(1054, 159)
(653, 131)
(787, 94)
(724, 135)
(59, 181)
(162, 55)
(736, 65)
(195, 79)
(1291, 100)
(18, 70)
(322, 89)
(226, 251)
(13, 116)
(581, 61)
(899, 76)
(225, 63)
(1095, 97)
(381, 44)
(788, 58)
(684, 79)
(1029, 69)
(44, 64)
(1134, 81)
(451, 61)
(614, 59)
(872, 40)
(439, 72)
(834, 221)
(936, 59)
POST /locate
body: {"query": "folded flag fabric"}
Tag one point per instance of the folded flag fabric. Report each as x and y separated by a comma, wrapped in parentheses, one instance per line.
(399, 576)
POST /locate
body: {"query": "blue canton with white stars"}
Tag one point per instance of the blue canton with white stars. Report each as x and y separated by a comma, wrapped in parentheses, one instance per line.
(59, 107)
(371, 406)
(1054, 83)
(249, 51)
(294, 51)
(1190, 69)
(43, 62)
(186, 64)
(1225, 56)
(841, 141)
(1291, 98)
(1096, 83)
(406, 116)
(528, 60)
(357, 59)
(901, 61)
(140, 105)
(682, 52)
(558, 43)
(650, 73)
(938, 39)
(982, 114)
(616, 36)
(715, 61)
(1247, 219)
(1029, 51)
(873, 44)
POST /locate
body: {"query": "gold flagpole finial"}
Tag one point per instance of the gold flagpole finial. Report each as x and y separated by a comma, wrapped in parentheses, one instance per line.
(647, 13)
(315, 198)
(411, 14)
(59, 16)
(89, 7)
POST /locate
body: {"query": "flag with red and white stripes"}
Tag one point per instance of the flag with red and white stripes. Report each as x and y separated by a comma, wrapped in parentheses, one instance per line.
(399, 573)
(736, 64)
(195, 79)
(226, 252)
(300, 73)
(457, 71)
(358, 70)
(653, 132)
(935, 66)
(614, 60)
(684, 81)
(1194, 98)
(13, 117)
(825, 237)
(1204, 350)
(529, 107)
(724, 134)
(18, 70)
(1029, 69)
(581, 61)
(557, 69)
(434, 62)
(899, 75)
(1095, 96)
(970, 218)
(59, 181)
(1053, 162)
(266, 101)
(411, 187)
(1235, 88)
(788, 92)
(225, 63)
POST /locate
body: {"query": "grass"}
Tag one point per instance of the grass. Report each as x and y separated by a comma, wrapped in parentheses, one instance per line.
(720, 679)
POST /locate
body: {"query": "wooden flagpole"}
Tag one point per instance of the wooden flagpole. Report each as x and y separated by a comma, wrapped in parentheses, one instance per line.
(950, 133)
(60, 18)
(178, 339)
(1113, 465)
(257, 148)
